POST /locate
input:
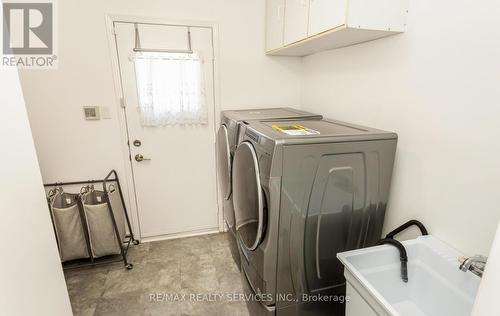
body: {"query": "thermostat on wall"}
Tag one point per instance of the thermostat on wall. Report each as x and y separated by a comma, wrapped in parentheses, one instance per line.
(91, 112)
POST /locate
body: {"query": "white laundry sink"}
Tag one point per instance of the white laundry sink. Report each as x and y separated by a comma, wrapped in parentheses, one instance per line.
(436, 286)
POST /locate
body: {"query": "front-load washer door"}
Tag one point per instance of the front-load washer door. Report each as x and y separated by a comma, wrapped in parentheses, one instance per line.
(224, 162)
(248, 198)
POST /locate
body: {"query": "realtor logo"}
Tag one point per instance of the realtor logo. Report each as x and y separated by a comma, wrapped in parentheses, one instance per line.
(28, 34)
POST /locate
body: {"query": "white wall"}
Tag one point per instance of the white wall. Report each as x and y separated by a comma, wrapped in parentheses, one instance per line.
(487, 298)
(32, 281)
(70, 148)
(437, 86)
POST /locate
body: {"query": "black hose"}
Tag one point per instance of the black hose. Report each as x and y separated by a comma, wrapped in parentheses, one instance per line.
(403, 257)
(405, 226)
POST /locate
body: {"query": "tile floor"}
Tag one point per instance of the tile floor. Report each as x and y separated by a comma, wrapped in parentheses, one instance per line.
(195, 265)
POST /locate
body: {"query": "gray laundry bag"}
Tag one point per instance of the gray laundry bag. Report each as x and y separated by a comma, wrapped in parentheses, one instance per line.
(68, 226)
(102, 235)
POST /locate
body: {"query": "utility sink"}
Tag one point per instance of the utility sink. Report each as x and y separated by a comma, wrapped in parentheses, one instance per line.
(436, 286)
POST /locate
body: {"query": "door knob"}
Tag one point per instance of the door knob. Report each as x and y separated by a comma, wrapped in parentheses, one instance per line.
(140, 158)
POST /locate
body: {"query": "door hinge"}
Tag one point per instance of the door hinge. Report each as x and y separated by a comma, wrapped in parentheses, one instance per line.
(122, 102)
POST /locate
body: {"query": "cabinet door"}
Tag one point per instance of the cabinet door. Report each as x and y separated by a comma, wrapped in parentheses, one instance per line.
(275, 19)
(326, 14)
(296, 16)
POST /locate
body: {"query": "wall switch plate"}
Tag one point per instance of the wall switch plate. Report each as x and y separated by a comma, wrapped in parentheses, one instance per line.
(91, 112)
(105, 112)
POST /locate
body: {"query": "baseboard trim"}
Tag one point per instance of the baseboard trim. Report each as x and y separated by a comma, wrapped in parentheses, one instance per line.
(205, 231)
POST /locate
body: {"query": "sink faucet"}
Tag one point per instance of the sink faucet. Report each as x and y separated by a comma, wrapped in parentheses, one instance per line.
(475, 264)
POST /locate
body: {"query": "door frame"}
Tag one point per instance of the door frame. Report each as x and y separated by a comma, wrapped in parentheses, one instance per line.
(111, 19)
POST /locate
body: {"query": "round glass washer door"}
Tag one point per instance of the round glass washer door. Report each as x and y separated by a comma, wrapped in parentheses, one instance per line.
(247, 196)
(224, 162)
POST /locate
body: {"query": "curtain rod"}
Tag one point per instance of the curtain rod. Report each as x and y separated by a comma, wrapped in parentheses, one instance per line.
(138, 47)
(164, 24)
(151, 50)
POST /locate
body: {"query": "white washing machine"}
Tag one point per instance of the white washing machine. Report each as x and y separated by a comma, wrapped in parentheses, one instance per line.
(227, 141)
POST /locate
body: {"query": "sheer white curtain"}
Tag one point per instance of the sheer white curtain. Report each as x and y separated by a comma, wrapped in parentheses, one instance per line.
(170, 88)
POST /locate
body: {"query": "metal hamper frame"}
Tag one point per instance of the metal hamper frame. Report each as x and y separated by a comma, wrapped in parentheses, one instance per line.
(124, 245)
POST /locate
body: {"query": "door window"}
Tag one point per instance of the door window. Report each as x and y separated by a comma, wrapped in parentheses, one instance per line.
(170, 88)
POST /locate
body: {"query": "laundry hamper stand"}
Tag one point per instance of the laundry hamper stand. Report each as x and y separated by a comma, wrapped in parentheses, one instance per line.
(124, 243)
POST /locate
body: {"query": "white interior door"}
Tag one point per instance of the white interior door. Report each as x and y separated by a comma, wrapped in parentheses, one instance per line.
(176, 188)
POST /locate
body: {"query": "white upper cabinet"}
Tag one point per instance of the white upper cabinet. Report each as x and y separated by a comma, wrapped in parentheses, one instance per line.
(275, 19)
(315, 25)
(296, 18)
(325, 15)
